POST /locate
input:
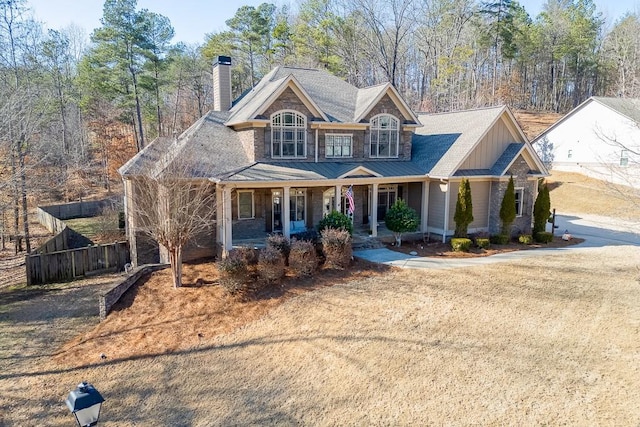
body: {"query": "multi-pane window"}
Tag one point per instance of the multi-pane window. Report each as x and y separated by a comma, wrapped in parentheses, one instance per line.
(519, 192)
(384, 136)
(288, 134)
(296, 205)
(245, 204)
(338, 145)
(624, 158)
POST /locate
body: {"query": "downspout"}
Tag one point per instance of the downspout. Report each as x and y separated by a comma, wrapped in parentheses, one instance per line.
(316, 145)
(447, 198)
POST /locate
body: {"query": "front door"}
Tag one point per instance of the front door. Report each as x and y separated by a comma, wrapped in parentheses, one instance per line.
(387, 195)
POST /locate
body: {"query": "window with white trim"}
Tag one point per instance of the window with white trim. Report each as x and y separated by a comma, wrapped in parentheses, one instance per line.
(569, 154)
(385, 136)
(624, 158)
(519, 192)
(337, 145)
(245, 204)
(288, 134)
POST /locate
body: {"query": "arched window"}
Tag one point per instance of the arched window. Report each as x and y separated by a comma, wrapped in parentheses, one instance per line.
(385, 136)
(288, 134)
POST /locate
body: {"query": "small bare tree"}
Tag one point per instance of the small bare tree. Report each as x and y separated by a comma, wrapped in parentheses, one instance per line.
(174, 205)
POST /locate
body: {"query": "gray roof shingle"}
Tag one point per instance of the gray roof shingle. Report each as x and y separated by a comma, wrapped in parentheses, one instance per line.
(629, 107)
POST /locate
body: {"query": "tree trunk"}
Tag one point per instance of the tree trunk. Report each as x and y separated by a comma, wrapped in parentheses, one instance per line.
(175, 259)
(23, 190)
(138, 108)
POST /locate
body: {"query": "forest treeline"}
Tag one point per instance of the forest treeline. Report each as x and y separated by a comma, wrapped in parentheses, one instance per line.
(74, 106)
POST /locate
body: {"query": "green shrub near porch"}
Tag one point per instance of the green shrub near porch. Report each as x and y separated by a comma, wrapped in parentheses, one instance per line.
(337, 221)
(483, 242)
(544, 237)
(460, 244)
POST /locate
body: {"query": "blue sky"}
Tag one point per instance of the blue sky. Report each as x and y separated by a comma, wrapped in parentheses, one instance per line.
(193, 19)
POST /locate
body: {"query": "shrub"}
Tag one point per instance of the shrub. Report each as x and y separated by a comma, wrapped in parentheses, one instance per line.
(525, 239)
(464, 209)
(400, 219)
(279, 243)
(460, 244)
(308, 235)
(544, 237)
(302, 258)
(483, 243)
(500, 239)
(270, 265)
(336, 245)
(541, 210)
(234, 275)
(337, 221)
(249, 254)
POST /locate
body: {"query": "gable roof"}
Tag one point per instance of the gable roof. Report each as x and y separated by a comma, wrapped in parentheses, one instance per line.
(335, 99)
(470, 126)
(626, 107)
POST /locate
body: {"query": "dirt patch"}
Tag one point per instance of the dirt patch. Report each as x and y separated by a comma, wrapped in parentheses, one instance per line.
(534, 123)
(155, 318)
(439, 249)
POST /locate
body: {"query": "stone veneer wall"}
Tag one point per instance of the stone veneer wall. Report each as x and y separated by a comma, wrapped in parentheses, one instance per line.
(522, 224)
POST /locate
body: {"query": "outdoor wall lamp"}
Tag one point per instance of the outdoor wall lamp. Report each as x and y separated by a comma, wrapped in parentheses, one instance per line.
(84, 403)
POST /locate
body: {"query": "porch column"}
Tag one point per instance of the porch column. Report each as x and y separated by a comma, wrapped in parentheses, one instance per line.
(286, 212)
(425, 207)
(447, 198)
(374, 210)
(338, 197)
(227, 221)
(220, 217)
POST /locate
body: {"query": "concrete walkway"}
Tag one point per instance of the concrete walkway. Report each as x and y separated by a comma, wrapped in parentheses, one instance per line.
(596, 230)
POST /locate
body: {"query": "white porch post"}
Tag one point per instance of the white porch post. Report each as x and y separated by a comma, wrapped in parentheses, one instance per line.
(338, 197)
(220, 217)
(286, 214)
(374, 210)
(447, 198)
(227, 220)
(425, 207)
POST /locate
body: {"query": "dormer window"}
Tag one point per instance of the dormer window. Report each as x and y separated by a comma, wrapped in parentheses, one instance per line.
(385, 136)
(288, 134)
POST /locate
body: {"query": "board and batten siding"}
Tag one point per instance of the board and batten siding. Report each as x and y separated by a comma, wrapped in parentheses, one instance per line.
(436, 206)
(491, 147)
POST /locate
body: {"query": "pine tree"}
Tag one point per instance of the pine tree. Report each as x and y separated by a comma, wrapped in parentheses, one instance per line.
(464, 209)
(508, 208)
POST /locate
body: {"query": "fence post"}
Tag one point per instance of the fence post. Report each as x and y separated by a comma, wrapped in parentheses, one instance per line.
(27, 263)
(106, 256)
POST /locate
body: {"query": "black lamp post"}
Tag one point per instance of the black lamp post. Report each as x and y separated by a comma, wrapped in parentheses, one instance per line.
(84, 403)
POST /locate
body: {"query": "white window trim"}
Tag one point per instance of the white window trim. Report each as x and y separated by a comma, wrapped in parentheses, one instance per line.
(253, 204)
(350, 135)
(295, 128)
(398, 131)
(520, 200)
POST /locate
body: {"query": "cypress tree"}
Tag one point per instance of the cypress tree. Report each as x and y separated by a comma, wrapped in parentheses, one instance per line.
(464, 209)
(541, 210)
(508, 208)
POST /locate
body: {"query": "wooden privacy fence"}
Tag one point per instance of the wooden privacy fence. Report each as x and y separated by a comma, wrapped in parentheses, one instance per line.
(66, 265)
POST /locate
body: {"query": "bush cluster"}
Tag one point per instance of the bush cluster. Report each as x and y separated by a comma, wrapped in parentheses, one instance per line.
(544, 237)
(303, 259)
(525, 239)
(249, 254)
(500, 239)
(336, 245)
(279, 243)
(270, 265)
(483, 242)
(460, 244)
(234, 274)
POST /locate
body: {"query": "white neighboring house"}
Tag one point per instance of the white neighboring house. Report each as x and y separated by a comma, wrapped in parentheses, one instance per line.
(599, 138)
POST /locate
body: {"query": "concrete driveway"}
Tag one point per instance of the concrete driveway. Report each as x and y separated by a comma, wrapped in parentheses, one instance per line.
(598, 231)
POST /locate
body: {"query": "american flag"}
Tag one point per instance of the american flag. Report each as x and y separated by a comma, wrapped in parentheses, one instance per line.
(349, 195)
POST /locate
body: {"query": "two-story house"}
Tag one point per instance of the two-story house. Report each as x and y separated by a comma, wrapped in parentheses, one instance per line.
(285, 154)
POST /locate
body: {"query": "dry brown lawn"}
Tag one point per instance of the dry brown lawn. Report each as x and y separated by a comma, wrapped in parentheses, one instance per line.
(554, 342)
(573, 193)
(534, 123)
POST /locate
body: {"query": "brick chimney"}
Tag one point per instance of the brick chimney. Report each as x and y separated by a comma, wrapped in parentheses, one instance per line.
(222, 84)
